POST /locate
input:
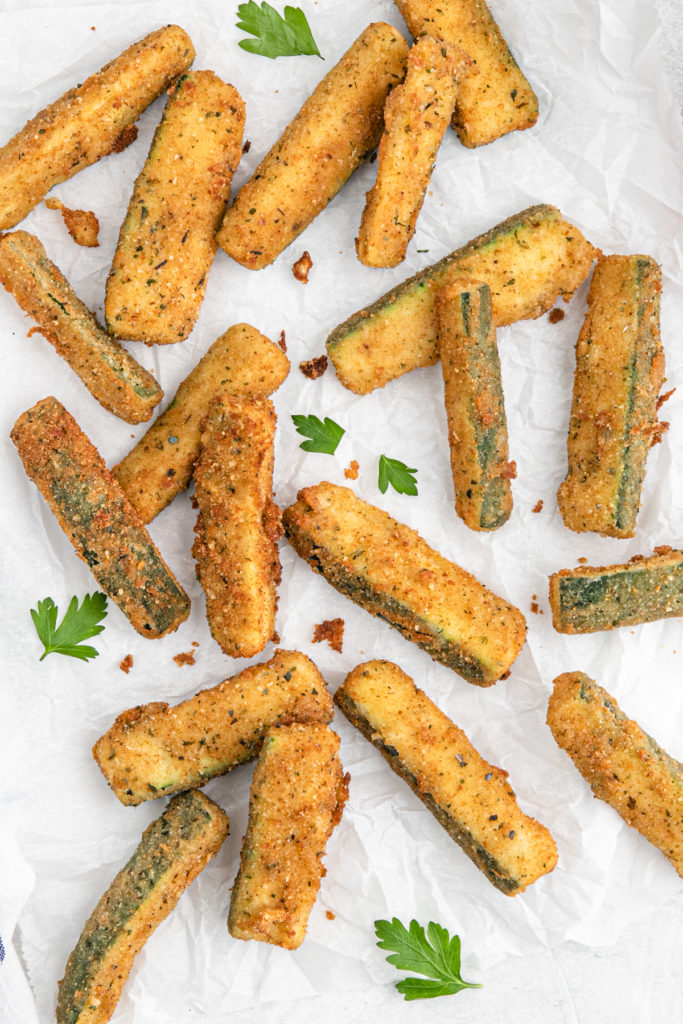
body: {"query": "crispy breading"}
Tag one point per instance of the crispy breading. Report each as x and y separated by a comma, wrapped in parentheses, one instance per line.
(238, 525)
(389, 570)
(170, 855)
(471, 798)
(240, 362)
(613, 423)
(87, 121)
(473, 393)
(167, 240)
(622, 764)
(154, 750)
(109, 372)
(527, 261)
(416, 116)
(298, 793)
(494, 96)
(319, 150)
(98, 519)
(588, 599)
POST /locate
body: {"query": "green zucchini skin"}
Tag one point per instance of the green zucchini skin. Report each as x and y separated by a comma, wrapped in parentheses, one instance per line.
(527, 260)
(590, 599)
(620, 369)
(170, 855)
(473, 392)
(98, 519)
(109, 372)
(622, 764)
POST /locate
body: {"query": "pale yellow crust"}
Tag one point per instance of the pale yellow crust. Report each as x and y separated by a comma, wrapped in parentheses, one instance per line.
(337, 126)
(241, 362)
(416, 116)
(297, 796)
(238, 524)
(87, 121)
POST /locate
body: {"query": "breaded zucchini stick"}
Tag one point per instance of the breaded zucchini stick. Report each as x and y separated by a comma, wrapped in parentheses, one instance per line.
(588, 599)
(527, 261)
(297, 796)
(622, 764)
(240, 362)
(238, 525)
(167, 240)
(471, 798)
(389, 570)
(170, 855)
(109, 372)
(613, 424)
(88, 120)
(154, 750)
(494, 97)
(98, 519)
(473, 391)
(320, 149)
(416, 116)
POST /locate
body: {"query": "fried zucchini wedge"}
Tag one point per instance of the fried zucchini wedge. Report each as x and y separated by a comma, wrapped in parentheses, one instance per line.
(473, 392)
(494, 97)
(468, 796)
(98, 519)
(297, 797)
(109, 372)
(154, 750)
(416, 116)
(621, 763)
(339, 124)
(389, 570)
(170, 855)
(589, 599)
(88, 120)
(240, 362)
(167, 240)
(238, 525)
(613, 423)
(527, 261)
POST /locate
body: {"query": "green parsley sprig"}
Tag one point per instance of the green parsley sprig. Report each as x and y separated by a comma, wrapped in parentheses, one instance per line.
(276, 36)
(324, 435)
(436, 956)
(79, 623)
(396, 473)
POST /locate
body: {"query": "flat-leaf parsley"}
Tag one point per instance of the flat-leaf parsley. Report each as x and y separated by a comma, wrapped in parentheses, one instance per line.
(436, 956)
(79, 623)
(275, 36)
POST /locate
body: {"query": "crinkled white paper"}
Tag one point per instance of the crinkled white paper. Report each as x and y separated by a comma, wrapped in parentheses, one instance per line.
(608, 151)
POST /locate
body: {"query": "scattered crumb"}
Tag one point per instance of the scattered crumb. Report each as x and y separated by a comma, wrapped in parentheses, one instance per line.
(538, 506)
(582, 560)
(329, 915)
(127, 664)
(184, 658)
(351, 472)
(282, 341)
(509, 472)
(82, 225)
(314, 368)
(127, 136)
(331, 630)
(664, 398)
(247, 146)
(555, 315)
(302, 267)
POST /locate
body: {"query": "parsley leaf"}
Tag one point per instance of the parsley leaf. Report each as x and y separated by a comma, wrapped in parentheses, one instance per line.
(437, 957)
(396, 473)
(275, 36)
(79, 623)
(325, 435)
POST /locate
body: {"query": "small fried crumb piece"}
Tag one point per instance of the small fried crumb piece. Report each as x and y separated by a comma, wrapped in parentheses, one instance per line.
(555, 315)
(314, 368)
(538, 506)
(184, 658)
(82, 225)
(329, 915)
(331, 630)
(127, 664)
(125, 139)
(351, 472)
(302, 267)
(282, 341)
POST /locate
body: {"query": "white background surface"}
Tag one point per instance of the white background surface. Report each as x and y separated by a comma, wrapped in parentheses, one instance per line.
(613, 170)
